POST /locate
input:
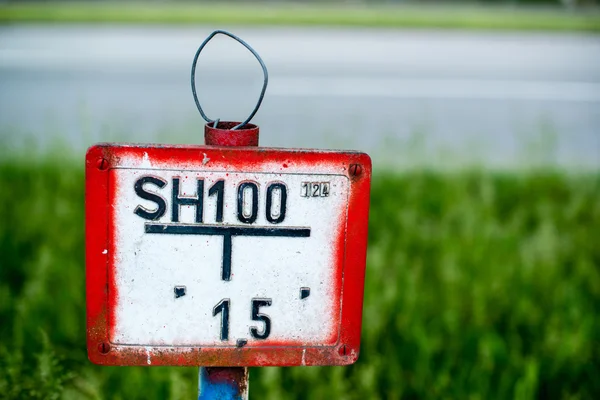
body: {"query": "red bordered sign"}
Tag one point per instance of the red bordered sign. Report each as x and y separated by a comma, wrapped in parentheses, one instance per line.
(215, 256)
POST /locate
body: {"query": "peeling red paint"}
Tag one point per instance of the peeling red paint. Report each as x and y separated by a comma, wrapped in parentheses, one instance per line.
(340, 349)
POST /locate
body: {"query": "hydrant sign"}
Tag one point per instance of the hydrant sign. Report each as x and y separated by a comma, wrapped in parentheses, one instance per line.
(219, 256)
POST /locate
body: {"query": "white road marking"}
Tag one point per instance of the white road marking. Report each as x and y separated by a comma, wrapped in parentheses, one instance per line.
(446, 89)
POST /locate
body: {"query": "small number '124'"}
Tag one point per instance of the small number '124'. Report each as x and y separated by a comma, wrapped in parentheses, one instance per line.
(315, 189)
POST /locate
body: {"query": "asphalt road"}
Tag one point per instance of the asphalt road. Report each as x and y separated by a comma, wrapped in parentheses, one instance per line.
(406, 97)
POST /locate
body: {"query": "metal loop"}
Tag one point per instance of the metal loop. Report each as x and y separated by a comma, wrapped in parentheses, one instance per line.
(254, 53)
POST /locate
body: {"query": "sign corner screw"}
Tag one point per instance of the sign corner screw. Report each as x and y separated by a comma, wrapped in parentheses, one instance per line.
(355, 170)
(102, 164)
(104, 347)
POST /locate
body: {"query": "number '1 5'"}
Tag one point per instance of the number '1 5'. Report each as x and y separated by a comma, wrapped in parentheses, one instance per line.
(223, 308)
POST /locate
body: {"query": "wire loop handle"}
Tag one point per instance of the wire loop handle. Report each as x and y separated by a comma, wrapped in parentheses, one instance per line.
(254, 53)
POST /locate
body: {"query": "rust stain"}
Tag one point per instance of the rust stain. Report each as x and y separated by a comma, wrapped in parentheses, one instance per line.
(238, 377)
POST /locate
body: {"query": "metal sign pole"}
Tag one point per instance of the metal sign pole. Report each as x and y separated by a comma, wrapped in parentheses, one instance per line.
(226, 383)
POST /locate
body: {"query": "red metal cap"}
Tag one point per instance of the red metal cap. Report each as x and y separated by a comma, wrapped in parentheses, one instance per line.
(222, 135)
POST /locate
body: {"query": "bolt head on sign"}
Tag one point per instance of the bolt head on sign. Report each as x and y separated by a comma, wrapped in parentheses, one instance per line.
(225, 256)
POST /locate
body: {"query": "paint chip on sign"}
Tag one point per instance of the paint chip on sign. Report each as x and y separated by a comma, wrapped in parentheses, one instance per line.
(179, 291)
(304, 293)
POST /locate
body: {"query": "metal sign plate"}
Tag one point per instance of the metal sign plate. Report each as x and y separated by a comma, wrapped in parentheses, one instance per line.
(220, 256)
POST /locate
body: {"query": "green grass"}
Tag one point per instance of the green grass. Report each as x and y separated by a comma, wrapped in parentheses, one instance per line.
(479, 285)
(447, 17)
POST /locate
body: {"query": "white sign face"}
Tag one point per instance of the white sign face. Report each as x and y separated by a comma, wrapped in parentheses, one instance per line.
(208, 259)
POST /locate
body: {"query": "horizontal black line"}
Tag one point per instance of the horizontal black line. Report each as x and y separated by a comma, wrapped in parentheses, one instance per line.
(186, 229)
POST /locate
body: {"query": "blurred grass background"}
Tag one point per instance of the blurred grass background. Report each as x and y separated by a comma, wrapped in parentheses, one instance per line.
(495, 15)
(479, 285)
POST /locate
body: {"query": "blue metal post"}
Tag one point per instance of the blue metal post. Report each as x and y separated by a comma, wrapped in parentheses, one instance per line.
(223, 383)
